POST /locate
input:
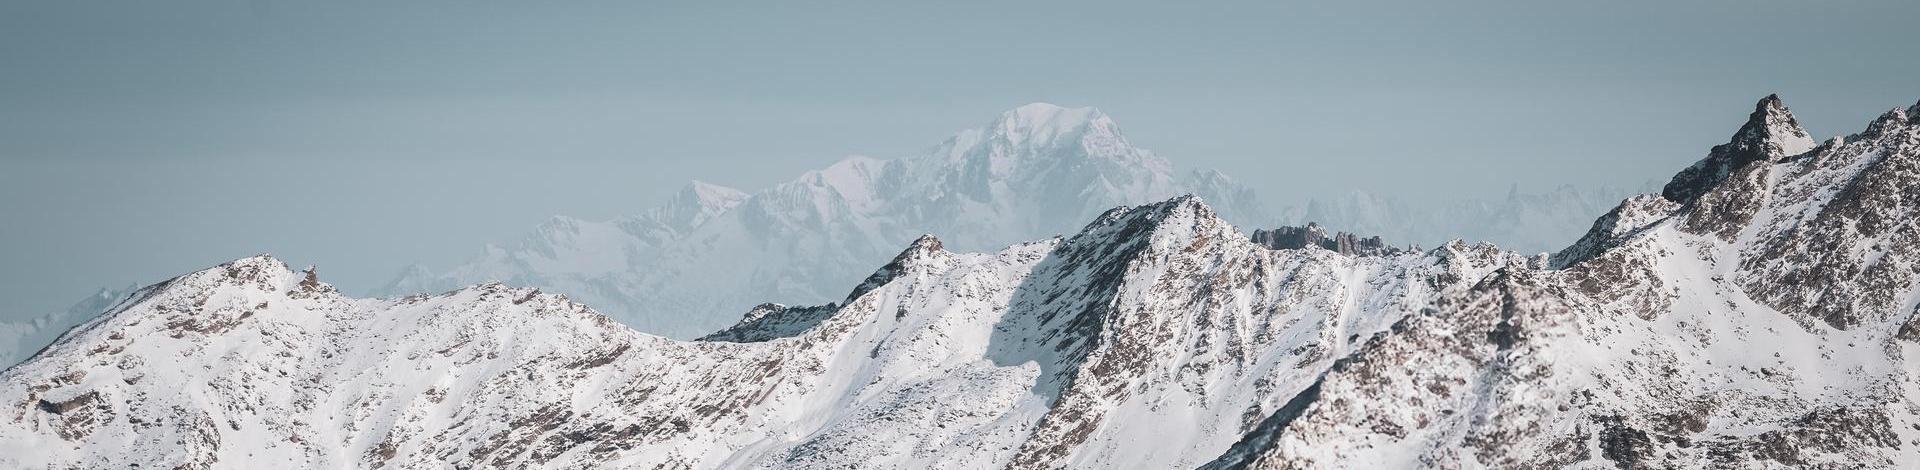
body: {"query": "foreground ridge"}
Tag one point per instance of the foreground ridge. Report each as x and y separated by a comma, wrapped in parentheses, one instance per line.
(1762, 316)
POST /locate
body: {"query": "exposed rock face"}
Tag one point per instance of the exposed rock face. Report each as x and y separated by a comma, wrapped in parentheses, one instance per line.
(1769, 134)
(1312, 235)
(1156, 337)
(770, 321)
(1527, 222)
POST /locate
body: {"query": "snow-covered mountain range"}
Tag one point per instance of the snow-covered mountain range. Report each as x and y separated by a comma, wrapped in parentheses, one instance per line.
(1034, 172)
(1762, 311)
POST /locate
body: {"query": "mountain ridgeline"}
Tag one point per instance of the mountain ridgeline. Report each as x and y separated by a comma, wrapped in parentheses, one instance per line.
(1759, 313)
(1036, 171)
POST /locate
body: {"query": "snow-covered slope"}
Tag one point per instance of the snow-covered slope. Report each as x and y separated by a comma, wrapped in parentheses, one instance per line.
(1034, 172)
(1767, 320)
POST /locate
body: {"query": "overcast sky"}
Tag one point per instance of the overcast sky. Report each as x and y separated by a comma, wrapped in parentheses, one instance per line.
(140, 140)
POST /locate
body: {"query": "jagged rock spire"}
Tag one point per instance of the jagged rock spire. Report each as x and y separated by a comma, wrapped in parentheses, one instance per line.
(1770, 133)
(1892, 119)
(1772, 128)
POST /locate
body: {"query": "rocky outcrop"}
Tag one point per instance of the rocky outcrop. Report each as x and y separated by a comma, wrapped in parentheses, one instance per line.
(772, 321)
(1312, 235)
(1770, 133)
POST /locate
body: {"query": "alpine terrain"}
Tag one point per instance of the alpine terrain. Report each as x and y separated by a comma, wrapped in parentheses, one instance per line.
(1762, 311)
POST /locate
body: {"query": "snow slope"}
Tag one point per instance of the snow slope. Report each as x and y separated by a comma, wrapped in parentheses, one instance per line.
(1768, 319)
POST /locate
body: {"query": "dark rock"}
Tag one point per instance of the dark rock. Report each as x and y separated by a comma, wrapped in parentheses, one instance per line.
(1627, 447)
(1312, 235)
(1770, 132)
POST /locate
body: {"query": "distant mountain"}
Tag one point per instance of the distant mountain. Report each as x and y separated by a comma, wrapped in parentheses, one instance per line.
(1758, 313)
(687, 267)
(21, 339)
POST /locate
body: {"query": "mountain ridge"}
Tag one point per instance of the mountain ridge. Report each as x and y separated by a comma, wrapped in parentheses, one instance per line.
(28, 336)
(1026, 174)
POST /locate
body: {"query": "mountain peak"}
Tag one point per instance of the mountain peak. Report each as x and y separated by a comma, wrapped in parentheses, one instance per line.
(1772, 127)
(560, 223)
(259, 261)
(1771, 101)
(1892, 119)
(1049, 112)
(1046, 124)
(695, 204)
(927, 242)
(1183, 216)
(1770, 133)
(1189, 202)
(260, 272)
(923, 253)
(701, 191)
(1196, 212)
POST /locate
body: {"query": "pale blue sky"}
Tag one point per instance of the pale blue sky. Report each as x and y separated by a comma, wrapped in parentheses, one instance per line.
(144, 139)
